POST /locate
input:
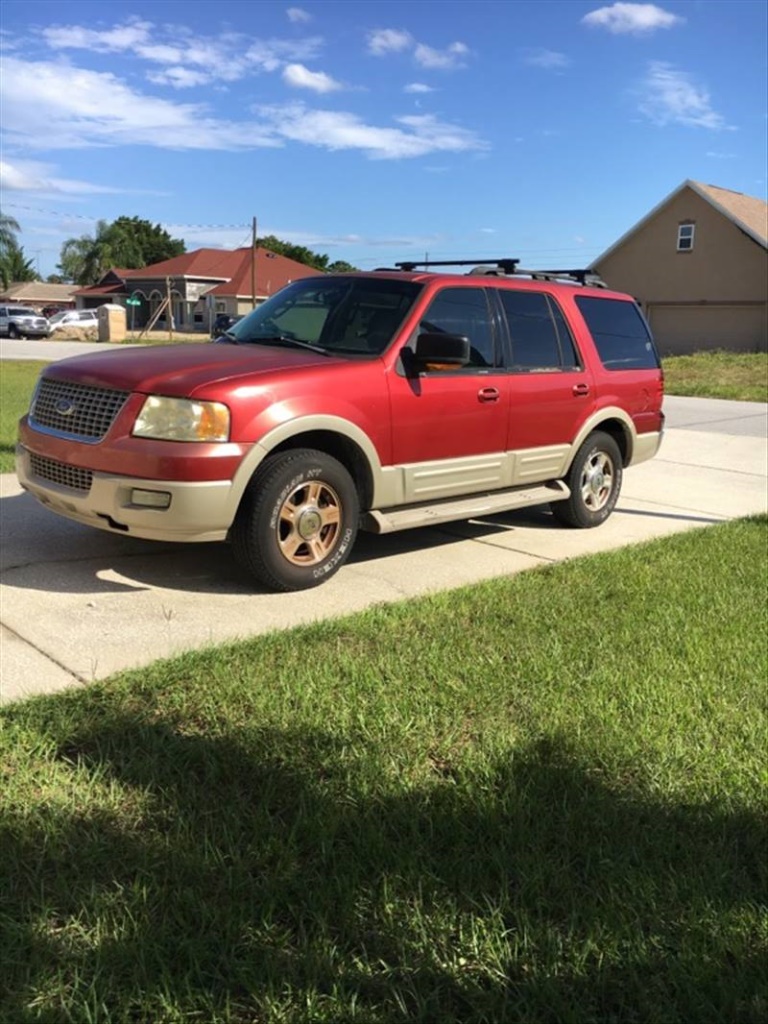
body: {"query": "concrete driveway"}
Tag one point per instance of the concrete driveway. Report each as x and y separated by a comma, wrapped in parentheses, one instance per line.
(77, 604)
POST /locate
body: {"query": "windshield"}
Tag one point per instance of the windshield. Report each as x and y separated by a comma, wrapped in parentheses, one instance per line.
(345, 315)
(21, 311)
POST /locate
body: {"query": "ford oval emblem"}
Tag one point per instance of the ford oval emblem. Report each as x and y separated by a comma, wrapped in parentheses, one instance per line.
(65, 407)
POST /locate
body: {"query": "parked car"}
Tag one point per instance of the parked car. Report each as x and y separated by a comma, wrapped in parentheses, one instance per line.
(21, 322)
(378, 401)
(222, 324)
(80, 318)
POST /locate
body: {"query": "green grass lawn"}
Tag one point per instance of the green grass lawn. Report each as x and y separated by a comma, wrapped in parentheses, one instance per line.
(742, 376)
(541, 799)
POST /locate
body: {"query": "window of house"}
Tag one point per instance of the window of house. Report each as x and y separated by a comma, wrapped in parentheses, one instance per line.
(685, 237)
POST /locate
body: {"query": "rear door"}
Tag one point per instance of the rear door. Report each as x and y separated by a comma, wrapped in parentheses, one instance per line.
(551, 389)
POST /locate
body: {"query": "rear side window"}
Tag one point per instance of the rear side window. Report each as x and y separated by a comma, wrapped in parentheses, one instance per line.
(540, 337)
(619, 332)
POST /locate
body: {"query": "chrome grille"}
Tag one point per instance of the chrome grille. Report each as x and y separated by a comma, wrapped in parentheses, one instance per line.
(76, 410)
(62, 474)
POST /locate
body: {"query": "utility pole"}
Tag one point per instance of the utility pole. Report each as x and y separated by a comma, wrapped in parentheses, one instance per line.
(169, 308)
(253, 267)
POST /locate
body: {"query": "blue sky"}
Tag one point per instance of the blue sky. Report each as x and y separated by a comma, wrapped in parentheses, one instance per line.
(377, 131)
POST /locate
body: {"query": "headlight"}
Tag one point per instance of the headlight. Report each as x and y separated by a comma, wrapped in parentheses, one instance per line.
(182, 419)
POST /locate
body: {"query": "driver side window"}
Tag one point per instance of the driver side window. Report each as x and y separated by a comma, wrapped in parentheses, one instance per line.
(463, 311)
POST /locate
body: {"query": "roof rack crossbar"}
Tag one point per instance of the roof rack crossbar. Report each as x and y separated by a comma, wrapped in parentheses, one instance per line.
(507, 267)
(505, 264)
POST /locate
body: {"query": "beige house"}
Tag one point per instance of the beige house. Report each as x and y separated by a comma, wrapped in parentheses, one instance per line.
(38, 295)
(698, 264)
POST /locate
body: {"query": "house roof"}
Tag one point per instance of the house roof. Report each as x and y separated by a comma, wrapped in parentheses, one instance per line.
(273, 272)
(748, 213)
(39, 292)
(229, 272)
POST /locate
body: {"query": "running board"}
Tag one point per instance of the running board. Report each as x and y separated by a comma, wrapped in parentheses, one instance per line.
(409, 516)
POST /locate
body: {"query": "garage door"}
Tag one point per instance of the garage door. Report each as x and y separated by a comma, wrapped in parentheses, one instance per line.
(682, 329)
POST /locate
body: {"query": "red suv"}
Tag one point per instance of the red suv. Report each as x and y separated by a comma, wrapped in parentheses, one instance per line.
(381, 401)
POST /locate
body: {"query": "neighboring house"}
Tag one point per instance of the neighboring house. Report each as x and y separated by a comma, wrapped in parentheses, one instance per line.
(200, 285)
(38, 294)
(698, 264)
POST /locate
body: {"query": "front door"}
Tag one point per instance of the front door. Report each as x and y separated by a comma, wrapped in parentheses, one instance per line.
(449, 426)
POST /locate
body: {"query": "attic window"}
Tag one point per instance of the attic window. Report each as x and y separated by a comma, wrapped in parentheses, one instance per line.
(685, 237)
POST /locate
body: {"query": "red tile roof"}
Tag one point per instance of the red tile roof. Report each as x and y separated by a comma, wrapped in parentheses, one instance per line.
(231, 268)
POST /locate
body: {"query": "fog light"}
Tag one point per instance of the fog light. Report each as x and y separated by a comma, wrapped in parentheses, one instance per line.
(151, 499)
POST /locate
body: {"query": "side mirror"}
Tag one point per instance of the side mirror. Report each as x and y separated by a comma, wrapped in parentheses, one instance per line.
(448, 350)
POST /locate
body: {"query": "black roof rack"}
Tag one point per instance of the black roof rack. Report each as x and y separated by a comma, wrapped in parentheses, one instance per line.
(506, 267)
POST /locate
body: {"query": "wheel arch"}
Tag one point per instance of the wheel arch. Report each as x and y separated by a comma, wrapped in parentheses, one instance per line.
(337, 437)
(614, 422)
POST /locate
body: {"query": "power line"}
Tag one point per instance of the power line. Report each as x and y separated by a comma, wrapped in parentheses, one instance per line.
(81, 216)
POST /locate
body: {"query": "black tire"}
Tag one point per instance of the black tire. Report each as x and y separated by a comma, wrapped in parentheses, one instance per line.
(594, 480)
(13, 331)
(297, 521)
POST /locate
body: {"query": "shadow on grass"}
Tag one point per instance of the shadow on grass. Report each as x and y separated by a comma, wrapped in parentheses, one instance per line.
(269, 876)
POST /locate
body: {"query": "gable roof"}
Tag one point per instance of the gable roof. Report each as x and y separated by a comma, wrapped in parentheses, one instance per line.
(748, 213)
(229, 272)
(39, 291)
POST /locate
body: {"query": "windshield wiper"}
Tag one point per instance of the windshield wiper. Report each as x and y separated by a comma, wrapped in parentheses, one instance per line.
(284, 339)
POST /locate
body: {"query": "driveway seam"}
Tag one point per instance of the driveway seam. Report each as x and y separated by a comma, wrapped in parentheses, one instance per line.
(49, 657)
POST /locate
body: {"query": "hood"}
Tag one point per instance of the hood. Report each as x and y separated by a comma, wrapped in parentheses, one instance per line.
(179, 370)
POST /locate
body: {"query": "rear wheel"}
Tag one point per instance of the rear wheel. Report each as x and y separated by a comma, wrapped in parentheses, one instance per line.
(594, 480)
(297, 521)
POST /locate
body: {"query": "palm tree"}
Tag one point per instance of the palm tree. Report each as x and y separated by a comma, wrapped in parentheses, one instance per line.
(8, 230)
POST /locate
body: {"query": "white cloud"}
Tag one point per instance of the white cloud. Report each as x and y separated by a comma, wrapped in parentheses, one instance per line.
(418, 87)
(299, 77)
(389, 40)
(190, 60)
(549, 60)
(178, 77)
(32, 177)
(671, 96)
(442, 60)
(298, 14)
(57, 106)
(721, 156)
(340, 130)
(633, 19)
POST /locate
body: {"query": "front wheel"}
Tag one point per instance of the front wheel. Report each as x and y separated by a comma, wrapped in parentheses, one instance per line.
(13, 331)
(297, 521)
(594, 480)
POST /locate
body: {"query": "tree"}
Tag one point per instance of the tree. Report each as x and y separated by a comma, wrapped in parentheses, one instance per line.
(127, 242)
(14, 266)
(301, 254)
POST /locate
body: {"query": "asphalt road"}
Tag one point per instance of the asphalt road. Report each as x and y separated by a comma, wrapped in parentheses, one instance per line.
(78, 604)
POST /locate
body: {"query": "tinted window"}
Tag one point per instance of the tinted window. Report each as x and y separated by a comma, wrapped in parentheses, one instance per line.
(568, 350)
(21, 311)
(463, 311)
(532, 330)
(620, 334)
(339, 314)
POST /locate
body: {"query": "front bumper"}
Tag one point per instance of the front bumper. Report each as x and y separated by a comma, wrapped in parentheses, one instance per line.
(196, 511)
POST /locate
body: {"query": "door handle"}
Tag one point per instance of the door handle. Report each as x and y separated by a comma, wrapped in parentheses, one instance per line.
(580, 389)
(488, 395)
